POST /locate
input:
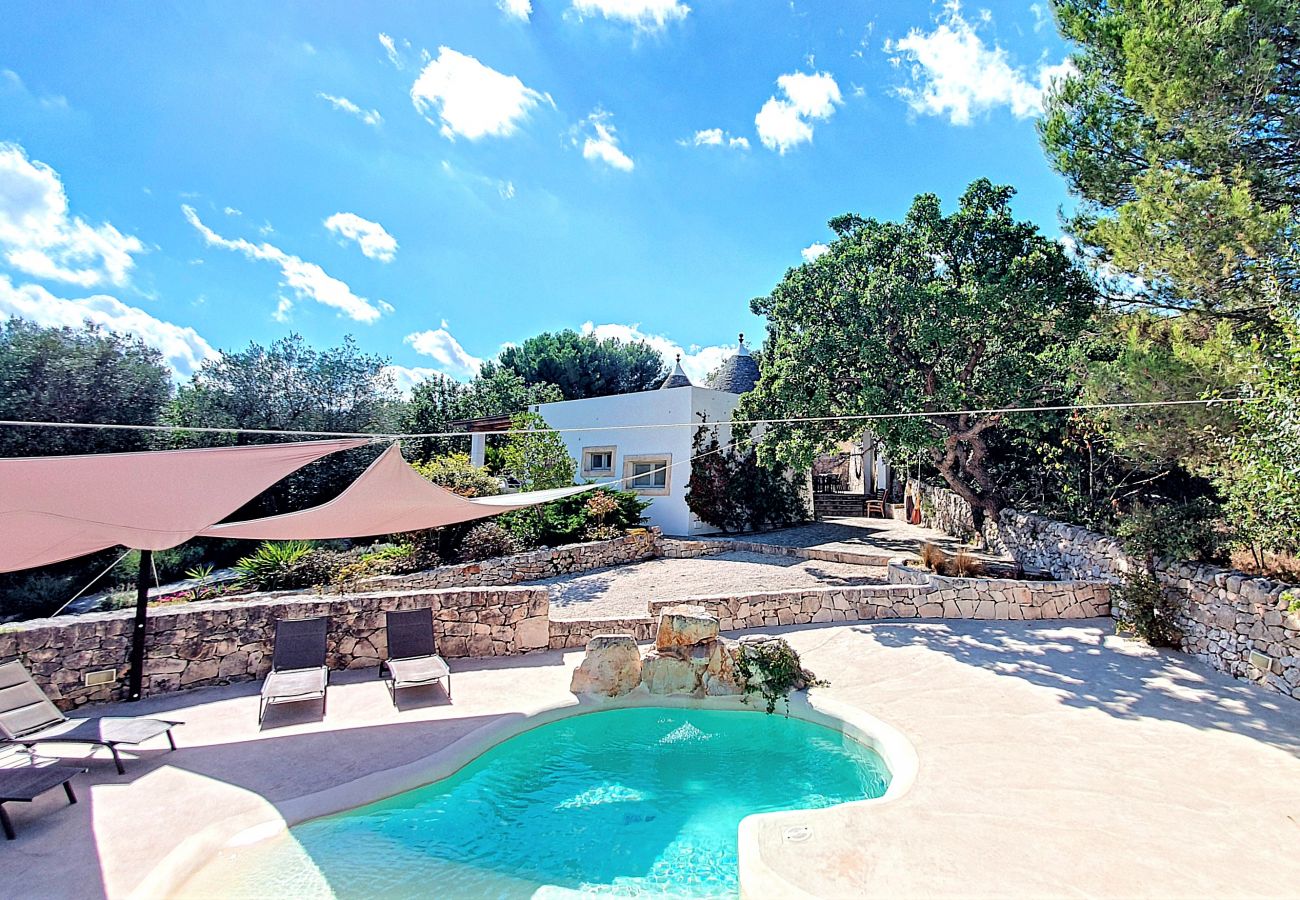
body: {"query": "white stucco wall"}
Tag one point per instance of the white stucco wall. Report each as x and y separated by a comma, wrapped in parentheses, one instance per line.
(617, 413)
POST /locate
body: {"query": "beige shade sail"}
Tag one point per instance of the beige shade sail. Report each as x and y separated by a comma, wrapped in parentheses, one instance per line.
(54, 508)
(388, 498)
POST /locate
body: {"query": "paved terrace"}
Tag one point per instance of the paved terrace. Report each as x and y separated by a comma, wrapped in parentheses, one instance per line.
(866, 545)
(623, 591)
(876, 538)
(1055, 759)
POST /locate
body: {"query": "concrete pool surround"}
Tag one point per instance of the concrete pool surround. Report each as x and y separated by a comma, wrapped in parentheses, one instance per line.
(272, 823)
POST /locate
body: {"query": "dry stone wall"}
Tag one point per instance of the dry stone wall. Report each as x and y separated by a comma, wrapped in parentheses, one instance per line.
(531, 566)
(1237, 623)
(198, 644)
(676, 548)
(912, 594)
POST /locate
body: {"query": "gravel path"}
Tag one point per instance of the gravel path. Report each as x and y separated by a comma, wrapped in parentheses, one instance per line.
(624, 590)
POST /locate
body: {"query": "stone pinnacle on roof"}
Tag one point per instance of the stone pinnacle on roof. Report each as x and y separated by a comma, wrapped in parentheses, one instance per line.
(677, 378)
(738, 374)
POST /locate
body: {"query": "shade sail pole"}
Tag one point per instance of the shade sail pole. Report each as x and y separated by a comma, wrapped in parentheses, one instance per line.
(138, 631)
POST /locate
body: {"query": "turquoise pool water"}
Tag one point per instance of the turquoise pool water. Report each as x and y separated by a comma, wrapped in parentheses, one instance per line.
(623, 802)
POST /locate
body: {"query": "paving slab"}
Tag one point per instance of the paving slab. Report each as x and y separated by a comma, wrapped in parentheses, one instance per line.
(622, 591)
(1054, 759)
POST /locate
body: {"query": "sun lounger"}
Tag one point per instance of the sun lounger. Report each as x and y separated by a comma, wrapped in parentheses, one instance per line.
(23, 785)
(28, 718)
(298, 670)
(412, 655)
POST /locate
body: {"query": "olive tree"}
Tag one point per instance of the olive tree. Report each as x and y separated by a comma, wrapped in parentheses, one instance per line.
(940, 315)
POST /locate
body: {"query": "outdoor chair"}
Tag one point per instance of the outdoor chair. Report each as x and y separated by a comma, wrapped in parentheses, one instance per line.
(875, 505)
(24, 784)
(298, 670)
(28, 718)
(412, 655)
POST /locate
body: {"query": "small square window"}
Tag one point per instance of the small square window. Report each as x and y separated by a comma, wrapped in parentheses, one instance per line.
(648, 474)
(598, 461)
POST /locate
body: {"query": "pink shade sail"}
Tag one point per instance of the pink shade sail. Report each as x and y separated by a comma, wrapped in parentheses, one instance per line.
(54, 508)
(388, 498)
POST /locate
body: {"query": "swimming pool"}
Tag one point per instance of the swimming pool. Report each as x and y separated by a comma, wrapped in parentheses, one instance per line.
(623, 802)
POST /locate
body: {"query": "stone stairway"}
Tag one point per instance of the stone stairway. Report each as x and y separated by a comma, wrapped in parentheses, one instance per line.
(836, 506)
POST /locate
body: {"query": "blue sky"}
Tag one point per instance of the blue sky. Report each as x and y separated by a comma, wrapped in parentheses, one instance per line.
(441, 178)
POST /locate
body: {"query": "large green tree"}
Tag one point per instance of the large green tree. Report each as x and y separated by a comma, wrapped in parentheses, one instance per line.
(72, 375)
(935, 314)
(77, 375)
(582, 365)
(1181, 134)
(290, 386)
(439, 400)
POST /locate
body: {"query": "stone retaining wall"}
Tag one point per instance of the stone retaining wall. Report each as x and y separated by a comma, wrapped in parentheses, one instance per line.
(1237, 623)
(534, 565)
(924, 596)
(197, 644)
(570, 633)
(676, 548)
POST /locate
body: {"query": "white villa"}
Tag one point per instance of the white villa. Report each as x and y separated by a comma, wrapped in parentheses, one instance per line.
(609, 438)
(655, 461)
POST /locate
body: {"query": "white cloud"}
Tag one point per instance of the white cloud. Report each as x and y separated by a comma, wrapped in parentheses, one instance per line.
(370, 116)
(373, 239)
(646, 15)
(182, 348)
(715, 137)
(813, 251)
(785, 122)
(38, 236)
(390, 47)
(601, 142)
(231, 211)
(405, 378)
(470, 99)
(1042, 18)
(451, 357)
(282, 310)
(520, 9)
(308, 281)
(955, 73)
(697, 361)
(11, 83)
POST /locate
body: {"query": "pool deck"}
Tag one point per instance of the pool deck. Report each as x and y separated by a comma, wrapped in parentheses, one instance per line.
(1054, 759)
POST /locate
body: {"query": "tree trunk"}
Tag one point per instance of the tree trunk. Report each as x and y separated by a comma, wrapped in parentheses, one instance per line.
(966, 475)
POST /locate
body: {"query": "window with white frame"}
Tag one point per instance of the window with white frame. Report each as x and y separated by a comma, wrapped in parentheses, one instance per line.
(598, 460)
(648, 473)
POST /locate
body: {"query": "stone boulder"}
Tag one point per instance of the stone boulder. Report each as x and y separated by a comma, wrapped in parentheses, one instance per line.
(685, 626)
(720, 678)
(666, 672)
(611, 667)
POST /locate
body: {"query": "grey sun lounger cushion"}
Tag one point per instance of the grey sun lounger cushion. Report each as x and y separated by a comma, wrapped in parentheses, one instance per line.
(298, 670)
(27, 717)
(412, 653)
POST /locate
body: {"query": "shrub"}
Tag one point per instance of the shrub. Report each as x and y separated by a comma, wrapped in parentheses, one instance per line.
(568, 519)
(1184, 532)
(933, 558)
(966, 565)
(772, 668)
(279, 565)
(487, 541)
(1143, 608)
(602, 533)
(456, 473)
(731, 490)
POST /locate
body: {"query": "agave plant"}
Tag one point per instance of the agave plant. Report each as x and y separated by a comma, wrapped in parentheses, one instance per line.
(272, 565)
